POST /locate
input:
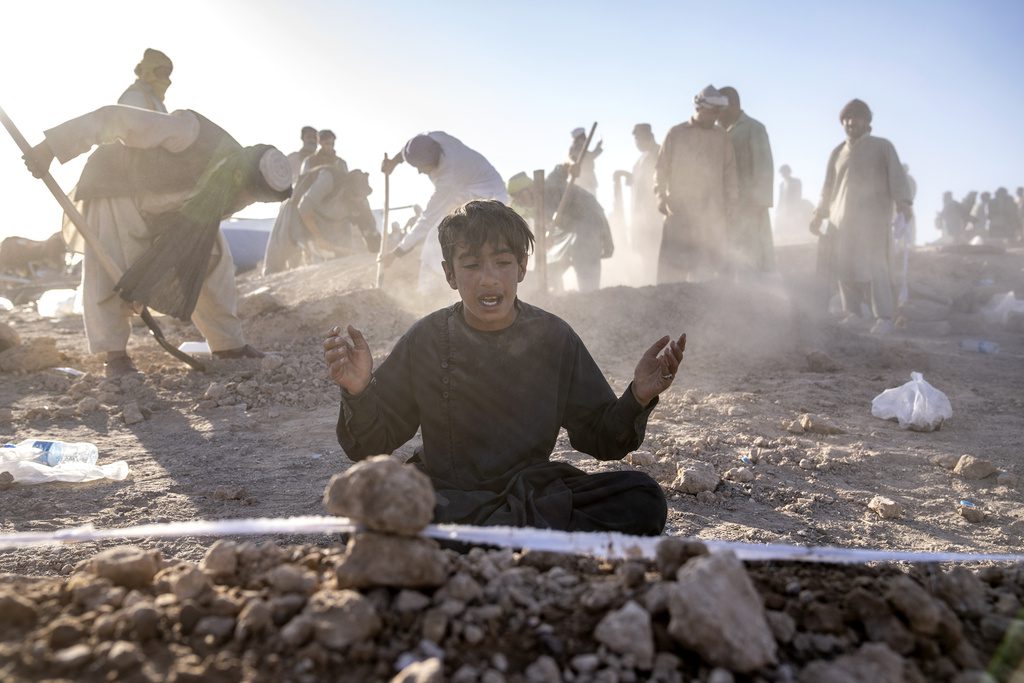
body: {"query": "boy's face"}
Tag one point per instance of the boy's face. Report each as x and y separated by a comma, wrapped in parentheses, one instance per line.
(487, 280)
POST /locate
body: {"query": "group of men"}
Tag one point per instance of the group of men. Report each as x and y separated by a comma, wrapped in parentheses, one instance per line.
(995, 216)
(700, 203)
(329, 211)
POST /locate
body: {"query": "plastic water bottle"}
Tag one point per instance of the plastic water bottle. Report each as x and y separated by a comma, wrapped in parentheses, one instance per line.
(53, 453)
(981, 346)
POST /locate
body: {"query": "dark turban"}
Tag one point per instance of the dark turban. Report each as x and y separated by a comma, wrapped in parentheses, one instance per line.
(422, 152)
(855, 108)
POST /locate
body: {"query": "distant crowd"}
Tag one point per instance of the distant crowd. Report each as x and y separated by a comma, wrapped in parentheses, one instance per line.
(985, 216)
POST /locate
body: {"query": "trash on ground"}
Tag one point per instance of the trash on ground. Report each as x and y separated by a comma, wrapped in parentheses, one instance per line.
(916, 405)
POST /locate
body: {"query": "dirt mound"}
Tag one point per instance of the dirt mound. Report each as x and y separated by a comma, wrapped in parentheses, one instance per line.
(273, 613)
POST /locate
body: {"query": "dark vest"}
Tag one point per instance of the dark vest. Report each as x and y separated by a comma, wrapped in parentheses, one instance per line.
(115, 170)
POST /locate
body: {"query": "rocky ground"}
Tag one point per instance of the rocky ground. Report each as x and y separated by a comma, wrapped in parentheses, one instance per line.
(766, 437)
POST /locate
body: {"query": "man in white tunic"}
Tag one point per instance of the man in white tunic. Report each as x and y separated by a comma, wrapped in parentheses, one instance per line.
(459, 175)
(864, 179)
(153, 171)
(696, 184)
(153, 77)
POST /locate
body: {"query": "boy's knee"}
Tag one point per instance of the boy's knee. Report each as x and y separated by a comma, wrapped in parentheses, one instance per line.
(648, 501)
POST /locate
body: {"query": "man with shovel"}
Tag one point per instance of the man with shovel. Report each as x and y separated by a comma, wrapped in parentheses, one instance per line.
(459, 175)
(153, 195)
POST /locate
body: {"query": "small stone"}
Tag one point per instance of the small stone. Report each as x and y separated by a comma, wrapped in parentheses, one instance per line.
(946, 460)
(435, 625)
(873, 662)
(886, 508)
(740, 475)
(269, 363)
(188, 583)
(373, 559)
(972, 513)
(970, 467)
(341, 618)
(16, 610)
(627, 631)
(384, 494)
(87, 405)
(221, 559)
(218, 629)
(215, 392)
(586, 663)
(410, 601)
(127, 566)
(1007, 479)
(783, 626)
(426, 671)
(6, 480)
(144, 619)
(641, 458)
(124, 655)
(695, 477)
(719, 675)
(37, 353)
(817, 424)
(73, 657)
(288, 578)
(230, 493)
(915, 604)
(793, 427)
(298, 631)
(672, 553)
(255, 617)
(132, 414)
(543, 670)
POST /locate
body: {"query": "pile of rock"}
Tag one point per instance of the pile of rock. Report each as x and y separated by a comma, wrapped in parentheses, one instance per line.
(391, 605)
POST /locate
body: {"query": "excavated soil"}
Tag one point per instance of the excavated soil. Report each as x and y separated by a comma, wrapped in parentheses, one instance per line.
(256, 438)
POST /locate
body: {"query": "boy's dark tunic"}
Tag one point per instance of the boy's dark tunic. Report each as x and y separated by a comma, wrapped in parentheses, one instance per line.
(490, 405)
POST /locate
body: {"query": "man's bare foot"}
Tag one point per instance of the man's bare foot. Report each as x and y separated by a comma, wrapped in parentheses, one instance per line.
(119, 365)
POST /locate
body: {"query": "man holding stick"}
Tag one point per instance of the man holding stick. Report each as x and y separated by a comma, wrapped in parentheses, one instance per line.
(154, 194)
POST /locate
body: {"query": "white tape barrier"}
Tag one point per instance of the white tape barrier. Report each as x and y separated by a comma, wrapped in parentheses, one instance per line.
(606, 545)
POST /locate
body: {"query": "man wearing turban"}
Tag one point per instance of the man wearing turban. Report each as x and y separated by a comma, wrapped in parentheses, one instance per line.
(152, 78)
(459, 175)
(864, 180)
(154, 193)
(696, 184)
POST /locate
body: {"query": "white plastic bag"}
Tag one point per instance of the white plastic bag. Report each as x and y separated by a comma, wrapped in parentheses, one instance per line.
(26, 471)
(916, 405)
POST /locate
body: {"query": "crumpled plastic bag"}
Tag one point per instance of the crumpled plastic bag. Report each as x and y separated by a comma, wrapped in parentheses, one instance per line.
(29, 472)
(916, 405)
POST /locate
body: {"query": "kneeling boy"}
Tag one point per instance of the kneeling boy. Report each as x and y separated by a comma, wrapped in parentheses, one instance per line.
(490, 380)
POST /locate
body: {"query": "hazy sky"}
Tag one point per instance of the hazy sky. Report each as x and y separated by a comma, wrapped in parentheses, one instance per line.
(945, 80)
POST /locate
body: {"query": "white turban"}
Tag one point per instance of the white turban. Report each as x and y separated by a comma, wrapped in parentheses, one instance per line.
(276, 170)
(710, 97)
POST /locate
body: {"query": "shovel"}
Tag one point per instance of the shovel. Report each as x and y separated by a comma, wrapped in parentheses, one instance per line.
(104, 259)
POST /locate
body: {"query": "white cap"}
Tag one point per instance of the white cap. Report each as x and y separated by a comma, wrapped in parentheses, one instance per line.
(276, 170)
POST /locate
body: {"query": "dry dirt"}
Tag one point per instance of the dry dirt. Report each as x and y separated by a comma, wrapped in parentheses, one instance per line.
(256, 438)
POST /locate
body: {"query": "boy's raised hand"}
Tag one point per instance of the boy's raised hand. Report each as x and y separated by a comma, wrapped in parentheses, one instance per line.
(657, 368)
(349, 361)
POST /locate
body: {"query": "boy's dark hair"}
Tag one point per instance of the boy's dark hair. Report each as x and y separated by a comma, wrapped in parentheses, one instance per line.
(483, 221)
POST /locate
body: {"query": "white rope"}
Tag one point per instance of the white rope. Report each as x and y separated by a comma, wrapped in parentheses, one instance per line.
(606, 545)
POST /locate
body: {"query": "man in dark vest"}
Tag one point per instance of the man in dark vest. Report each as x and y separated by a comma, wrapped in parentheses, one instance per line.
(161, 180)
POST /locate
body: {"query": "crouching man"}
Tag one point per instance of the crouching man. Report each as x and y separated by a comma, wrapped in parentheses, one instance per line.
(490, 381)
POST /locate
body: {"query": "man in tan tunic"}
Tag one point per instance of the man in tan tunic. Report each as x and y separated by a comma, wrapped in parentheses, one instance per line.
(863, 181)
(153, 77)
(752, 249)
(695, 180)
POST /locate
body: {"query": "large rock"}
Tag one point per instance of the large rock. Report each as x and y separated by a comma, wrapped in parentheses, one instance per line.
(872, 663)
(696, 477)
(373, 559)
(627, 631)
(35, 354)
(383, 494)
(221, 559)
(341, 618)
(970, 467)
(126, 565)
(717, 612)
